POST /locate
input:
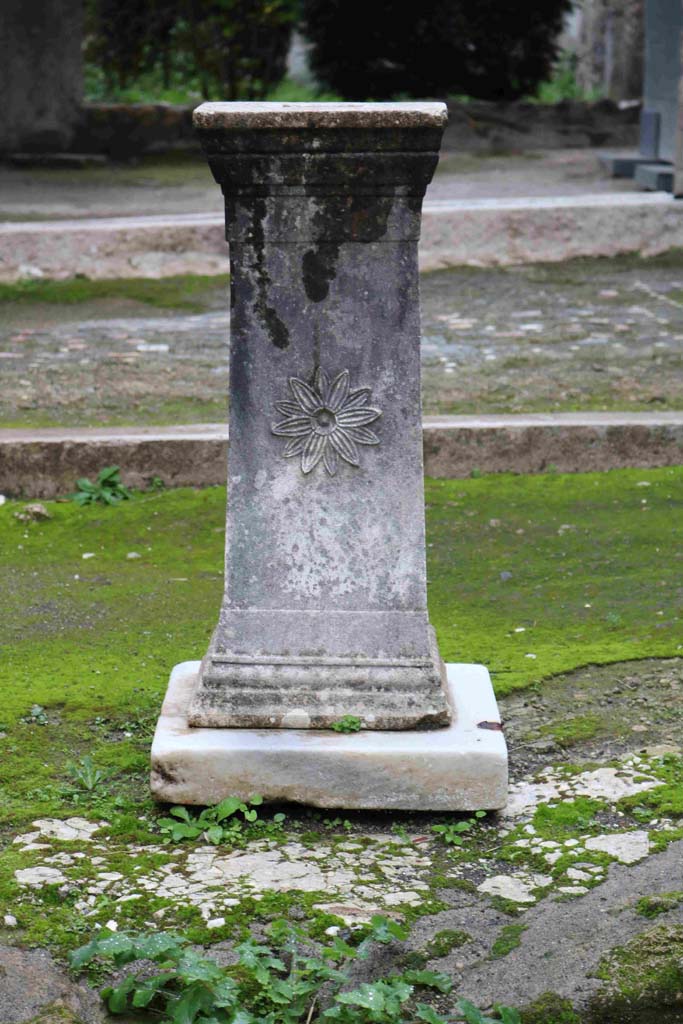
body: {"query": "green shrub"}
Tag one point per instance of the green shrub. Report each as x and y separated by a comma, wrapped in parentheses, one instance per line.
(231, 49)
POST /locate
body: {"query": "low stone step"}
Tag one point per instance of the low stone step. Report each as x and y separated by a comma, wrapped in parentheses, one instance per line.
(46, 463)
(623, 164)
(657, 177)
(455, 232)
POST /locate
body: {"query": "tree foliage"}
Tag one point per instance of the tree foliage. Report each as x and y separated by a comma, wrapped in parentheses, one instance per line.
(237, 49)
(481, 48)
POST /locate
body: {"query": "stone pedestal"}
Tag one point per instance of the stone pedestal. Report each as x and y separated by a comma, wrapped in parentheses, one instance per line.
(325, 610)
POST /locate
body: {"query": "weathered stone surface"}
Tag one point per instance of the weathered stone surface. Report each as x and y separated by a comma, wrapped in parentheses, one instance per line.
(41, 73)
(322, 117)
(325, 610)
(31, 982)
(463, 767)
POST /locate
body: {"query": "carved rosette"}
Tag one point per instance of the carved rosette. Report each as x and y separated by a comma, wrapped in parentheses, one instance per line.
(326, 421)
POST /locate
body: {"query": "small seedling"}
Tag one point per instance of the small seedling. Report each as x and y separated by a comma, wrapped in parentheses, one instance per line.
(218, 824)
(86, 774)
(36, 716)
(107, 488)
(453, 833)
(338, 823)
(348, 723)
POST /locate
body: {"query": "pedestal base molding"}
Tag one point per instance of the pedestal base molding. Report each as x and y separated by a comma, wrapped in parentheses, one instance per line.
(460, 767)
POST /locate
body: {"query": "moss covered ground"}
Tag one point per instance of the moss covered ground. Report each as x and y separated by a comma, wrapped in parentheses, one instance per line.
(186, 292)
(531, 576)
(572, 569)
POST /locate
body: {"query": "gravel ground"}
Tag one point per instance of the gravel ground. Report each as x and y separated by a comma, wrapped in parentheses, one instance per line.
(584, 335)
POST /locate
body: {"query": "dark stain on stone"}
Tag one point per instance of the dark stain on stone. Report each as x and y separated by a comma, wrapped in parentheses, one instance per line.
(353, 218)
(319, 270)
(275, 328)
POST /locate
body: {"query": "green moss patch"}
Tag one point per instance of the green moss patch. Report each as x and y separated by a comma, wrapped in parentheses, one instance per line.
(662, 903)
(643, 980)
(533, 576)
(509, 938)
(568, 732)
(550, 1008)
(444, 942)
(566, 818)
(184, 292)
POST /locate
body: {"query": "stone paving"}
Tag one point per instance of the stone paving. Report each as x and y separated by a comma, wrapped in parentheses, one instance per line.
(583, 855)
(605, 334)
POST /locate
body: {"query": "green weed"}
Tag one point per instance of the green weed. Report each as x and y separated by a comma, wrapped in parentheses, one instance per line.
(219, 824)
(107, 488)
(279, 982)
(453, 833)
(347, 723)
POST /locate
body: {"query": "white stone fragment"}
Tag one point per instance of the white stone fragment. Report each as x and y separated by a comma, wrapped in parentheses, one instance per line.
(10, 921)
(572, 890)
(578, 876)
(27, 837)
(611, 784)
(394, 899)
(39, 876)
(72, 828)
(351, 913)
(112, 926)
(215, 922)
(60, 858)
(626, 847)
(517, 888)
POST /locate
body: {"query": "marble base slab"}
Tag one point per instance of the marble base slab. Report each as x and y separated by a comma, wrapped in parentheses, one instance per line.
(462, 767)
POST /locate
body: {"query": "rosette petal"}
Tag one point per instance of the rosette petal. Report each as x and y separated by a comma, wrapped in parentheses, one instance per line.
(288, 408)
(345, 445)
(294, 447)
(330, 459)
(322, 384)
(363, 435)
(356, 399)
(357, 417)
(308, 398)
(294, 426)
(339, 391)
(314, 450)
